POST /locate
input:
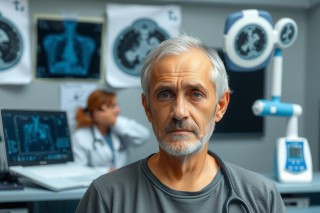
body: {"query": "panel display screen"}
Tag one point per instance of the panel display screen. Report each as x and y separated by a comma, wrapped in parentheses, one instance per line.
(246, 87)
(36, 137)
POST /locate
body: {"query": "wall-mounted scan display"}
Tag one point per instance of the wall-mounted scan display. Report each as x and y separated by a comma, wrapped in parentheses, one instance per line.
(11, 44)
(74, 95)
(248, 40)
(132, 32)
(15, 66)
(135, 42)
(68, 47)
(287, 32)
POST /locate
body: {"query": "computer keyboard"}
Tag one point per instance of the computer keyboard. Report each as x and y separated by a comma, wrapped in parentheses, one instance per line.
(56, 171)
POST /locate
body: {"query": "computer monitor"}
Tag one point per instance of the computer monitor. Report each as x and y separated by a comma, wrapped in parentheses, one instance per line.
(36, 136)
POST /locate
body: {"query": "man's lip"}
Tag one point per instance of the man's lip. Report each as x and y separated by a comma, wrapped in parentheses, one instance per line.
(180, 130)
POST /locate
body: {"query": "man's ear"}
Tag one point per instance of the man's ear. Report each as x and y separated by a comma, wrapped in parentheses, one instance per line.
(146, 107)
(222, 106)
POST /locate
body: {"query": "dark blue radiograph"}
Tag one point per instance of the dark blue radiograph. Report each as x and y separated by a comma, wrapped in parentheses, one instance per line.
(37, 136)
(69, 52)
(68, 49)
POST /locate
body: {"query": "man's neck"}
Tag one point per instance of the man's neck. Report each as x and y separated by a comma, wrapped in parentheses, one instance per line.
(190, 173)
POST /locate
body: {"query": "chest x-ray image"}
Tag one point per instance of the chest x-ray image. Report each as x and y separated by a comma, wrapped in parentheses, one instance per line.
(37, 134)
(68, 48)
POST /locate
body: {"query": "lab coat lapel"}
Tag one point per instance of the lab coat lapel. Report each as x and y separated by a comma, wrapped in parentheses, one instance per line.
(104, 148)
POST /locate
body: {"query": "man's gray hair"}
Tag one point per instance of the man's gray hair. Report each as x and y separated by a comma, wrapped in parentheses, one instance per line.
(181, 44)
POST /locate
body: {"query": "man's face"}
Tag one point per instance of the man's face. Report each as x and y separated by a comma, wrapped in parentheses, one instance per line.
(182, 102)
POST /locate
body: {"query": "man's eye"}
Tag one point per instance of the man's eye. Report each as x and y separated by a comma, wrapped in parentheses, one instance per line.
(197, 95)
(164, 95)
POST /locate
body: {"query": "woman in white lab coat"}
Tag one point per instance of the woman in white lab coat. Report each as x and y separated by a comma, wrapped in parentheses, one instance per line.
(102, 136)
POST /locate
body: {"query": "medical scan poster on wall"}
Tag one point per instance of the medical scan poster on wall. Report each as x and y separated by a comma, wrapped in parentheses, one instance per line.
(132, 32)
(68, 47)
(15, 60)
(72, 96)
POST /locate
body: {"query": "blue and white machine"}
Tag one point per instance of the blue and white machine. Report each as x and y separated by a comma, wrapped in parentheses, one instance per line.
(249, 41)
(292, 156)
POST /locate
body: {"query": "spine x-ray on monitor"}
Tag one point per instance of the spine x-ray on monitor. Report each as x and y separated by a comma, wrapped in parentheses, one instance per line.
(249, 40)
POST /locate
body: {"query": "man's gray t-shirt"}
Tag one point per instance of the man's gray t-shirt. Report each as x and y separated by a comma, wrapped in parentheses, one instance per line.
(134, 188)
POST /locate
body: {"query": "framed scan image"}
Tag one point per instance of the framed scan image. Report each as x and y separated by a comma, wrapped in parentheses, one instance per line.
(68, 48)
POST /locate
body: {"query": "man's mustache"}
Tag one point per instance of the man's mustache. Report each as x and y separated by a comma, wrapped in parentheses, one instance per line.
(175, 125)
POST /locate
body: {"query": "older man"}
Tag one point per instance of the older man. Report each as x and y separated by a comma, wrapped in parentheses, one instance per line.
(185, 91)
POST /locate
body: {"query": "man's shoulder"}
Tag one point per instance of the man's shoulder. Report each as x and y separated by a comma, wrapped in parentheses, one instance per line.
(248, 177)
(257, 188)
(123, 175)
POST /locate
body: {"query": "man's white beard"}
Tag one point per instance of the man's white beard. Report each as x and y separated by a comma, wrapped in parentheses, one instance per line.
(184, 147)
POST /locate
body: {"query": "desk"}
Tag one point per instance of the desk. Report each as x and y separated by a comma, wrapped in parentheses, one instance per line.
(32, 195)
(288, 188)
(35, 193)
(310, 190)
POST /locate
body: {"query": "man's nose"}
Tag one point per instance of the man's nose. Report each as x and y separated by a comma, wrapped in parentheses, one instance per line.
(180, 108)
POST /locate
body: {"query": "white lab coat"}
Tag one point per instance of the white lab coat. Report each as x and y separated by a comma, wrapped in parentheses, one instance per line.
(124, 133)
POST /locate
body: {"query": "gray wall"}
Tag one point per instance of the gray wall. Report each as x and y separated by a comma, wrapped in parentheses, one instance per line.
(312, 79)
(206, 21)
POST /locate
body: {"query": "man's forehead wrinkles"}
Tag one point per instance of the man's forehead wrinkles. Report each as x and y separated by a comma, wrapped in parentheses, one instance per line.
(180, 84)
(176, 73)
